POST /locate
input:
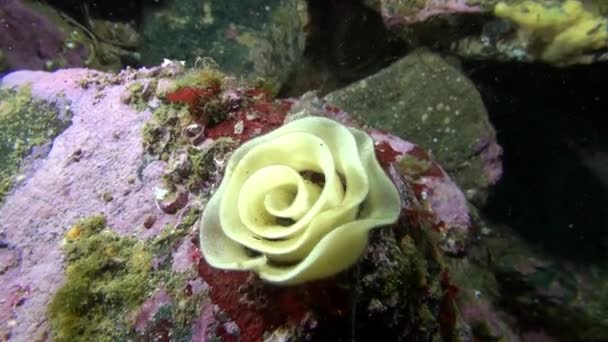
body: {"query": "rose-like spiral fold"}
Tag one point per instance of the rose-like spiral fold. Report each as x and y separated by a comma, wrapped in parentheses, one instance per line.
(269, 216)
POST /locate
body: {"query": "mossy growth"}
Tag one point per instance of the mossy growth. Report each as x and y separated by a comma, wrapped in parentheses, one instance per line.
(413, 166)
(171, 235)
(268, 85)
(162, 134)
(206, 76)
(415, 265)
(109, 277)
(194, 100)
(201, 165)
(139, 93)
(106, 277)
(25, 123)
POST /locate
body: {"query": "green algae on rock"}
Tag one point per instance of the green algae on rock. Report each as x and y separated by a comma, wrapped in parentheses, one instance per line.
(139, 93)
(161, 135)
(108, 277)
(106, 274)
(25, 123)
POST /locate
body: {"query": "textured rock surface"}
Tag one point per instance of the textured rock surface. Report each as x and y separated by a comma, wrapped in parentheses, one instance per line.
(31, 40)
(58, 188)
(403, 12)
(432, 103)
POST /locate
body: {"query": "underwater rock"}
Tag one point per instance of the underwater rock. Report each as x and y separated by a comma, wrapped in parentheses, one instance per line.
(509, 280)
(432, 23)
(432, 103)
(52, 192)
(32, 38)
(419, 179)
(262, 38)
(127, 151)
(558, 32)
(403, 12)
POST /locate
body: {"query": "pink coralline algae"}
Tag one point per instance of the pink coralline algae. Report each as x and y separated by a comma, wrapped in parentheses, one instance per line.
(445, 206)
(57, 190)
(399, 12)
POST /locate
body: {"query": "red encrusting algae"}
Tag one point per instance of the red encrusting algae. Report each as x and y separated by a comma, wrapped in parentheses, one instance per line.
(251, 121)
(245, 113)
(257, 308)
(447, 309)
(385, 153)
(192, 96)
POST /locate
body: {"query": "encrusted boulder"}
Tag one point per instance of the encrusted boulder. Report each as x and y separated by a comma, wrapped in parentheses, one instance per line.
(34, 37)
(129, 150)
(431, 102)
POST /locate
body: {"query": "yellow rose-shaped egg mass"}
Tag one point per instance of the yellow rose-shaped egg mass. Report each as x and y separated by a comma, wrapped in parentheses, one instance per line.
(297, 204)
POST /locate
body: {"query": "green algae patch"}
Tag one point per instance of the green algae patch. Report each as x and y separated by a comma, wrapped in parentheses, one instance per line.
(162, 134)
(25, 123)
(139, 93)
(110, 277)
(106, 277)
(171, 235)
(175, 319)
(208, 75)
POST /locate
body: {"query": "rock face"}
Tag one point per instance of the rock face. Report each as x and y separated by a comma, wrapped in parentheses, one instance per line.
(259, 38)
(400, 13)
(31, 40)
(506, 276)
(99, 153)
(555, 32)
(424, 98)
